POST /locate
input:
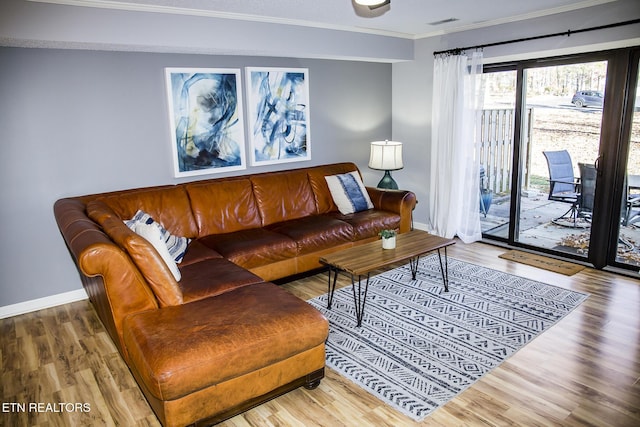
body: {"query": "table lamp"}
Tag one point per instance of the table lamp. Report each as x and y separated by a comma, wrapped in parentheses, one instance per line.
(386, 156)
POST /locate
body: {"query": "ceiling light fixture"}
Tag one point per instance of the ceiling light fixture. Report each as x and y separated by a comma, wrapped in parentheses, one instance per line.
(373, 4)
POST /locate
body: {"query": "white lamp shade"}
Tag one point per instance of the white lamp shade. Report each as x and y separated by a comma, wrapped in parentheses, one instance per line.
(386, 155)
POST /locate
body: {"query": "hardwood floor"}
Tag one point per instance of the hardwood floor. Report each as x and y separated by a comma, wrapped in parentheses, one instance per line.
(584, 371)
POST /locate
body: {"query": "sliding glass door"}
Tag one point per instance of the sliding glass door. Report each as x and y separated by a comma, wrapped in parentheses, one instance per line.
(552, 156)
(628, 245)
(497, 132)
(560, 145)
(538, 211)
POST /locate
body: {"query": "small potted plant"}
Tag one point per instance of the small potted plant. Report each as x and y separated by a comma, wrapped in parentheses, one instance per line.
(388, 238)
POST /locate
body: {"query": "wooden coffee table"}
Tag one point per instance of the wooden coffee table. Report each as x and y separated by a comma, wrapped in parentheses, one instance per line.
(361, 260)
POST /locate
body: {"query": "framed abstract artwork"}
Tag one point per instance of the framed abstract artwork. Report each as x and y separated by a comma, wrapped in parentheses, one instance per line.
(278, 111)
(205, 115)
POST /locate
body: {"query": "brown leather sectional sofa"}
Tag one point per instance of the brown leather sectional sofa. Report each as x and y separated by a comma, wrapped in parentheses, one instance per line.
(222, 338)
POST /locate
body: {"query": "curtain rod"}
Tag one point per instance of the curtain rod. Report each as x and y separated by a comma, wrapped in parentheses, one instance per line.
(564, 33)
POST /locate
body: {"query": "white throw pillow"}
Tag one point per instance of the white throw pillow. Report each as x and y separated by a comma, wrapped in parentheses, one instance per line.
(349, 193)
(153, 234)
(177, 245)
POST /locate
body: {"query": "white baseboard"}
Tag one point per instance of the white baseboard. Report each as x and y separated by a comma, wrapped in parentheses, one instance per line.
(420, 226)
(41, 303)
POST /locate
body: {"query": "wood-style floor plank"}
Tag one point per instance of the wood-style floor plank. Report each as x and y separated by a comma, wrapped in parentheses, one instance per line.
(584, 371)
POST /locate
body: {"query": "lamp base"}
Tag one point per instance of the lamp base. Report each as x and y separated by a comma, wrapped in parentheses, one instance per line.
(387, 182)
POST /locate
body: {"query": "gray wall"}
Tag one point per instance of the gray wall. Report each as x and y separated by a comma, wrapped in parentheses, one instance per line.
(82, 121)
(413, 81)
(78, 122)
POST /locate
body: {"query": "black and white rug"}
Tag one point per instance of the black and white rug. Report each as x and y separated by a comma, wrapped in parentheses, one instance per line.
(419, 346)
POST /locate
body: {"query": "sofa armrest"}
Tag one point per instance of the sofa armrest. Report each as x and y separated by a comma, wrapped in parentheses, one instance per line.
(402, 202)
(112, 282)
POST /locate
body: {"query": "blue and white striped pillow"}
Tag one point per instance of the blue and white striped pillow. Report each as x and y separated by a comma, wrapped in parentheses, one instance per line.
(177, 246)
(349, 193)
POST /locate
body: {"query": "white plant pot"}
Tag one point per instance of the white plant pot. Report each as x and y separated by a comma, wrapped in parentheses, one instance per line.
(389, 242)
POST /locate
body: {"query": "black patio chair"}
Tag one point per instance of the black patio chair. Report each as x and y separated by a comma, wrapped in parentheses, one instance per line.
(630, 206)
(563, 186)
(632, 215)
(586, 196)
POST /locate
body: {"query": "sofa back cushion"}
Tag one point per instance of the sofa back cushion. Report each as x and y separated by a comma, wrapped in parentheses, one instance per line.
(223, 206)
(284, 195)
(318, 182)
(167, 205)
(144, 255)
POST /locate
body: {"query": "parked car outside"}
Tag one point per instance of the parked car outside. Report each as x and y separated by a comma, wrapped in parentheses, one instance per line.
(584, 98)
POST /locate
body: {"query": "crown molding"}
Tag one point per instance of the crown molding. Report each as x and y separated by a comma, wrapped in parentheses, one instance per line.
(172, 10)
(516, 18)
(135, 7)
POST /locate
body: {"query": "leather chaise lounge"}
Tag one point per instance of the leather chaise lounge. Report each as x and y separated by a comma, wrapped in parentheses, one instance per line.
(210, 336)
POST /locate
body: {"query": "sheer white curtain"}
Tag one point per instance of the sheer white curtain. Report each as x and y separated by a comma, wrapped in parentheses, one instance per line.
(454, 196)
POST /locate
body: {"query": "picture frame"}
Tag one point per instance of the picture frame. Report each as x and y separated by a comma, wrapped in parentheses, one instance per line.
(279, 115)
(206, 120)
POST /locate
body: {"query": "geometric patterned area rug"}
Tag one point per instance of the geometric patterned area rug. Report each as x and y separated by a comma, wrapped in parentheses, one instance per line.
(419, 347)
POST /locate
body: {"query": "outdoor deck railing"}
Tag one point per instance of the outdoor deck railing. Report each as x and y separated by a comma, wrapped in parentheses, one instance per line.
(496, 147)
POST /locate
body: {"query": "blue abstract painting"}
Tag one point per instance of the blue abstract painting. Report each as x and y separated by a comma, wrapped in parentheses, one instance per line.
(205, 112)
(278, 115)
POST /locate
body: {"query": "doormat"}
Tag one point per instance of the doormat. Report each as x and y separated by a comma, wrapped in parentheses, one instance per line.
(551, 264)
(419, 346)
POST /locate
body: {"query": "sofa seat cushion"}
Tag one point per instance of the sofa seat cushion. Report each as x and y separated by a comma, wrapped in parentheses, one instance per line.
(183, 349)
(197, 252)
(315, 233)
(369, 223)
(252, 248)
(213, 277)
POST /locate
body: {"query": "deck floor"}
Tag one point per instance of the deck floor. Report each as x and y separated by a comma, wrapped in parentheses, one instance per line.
(538, 229)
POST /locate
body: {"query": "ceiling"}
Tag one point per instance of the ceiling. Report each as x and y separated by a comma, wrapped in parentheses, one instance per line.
(403, 18)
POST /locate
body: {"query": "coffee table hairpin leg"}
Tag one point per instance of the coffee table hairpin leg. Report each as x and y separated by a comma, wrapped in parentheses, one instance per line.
(359, 298)
(413, 264)
(444, 269)
(331, 286)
